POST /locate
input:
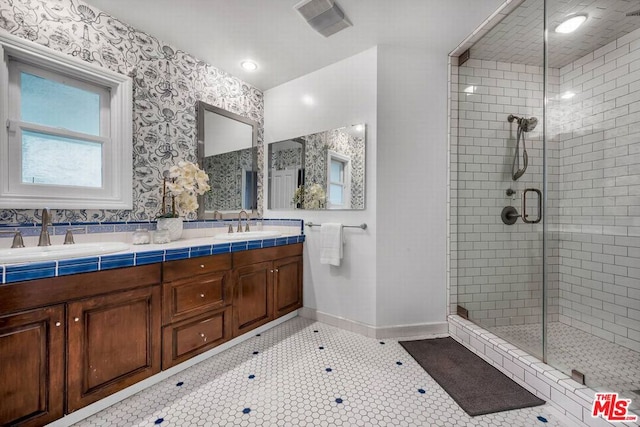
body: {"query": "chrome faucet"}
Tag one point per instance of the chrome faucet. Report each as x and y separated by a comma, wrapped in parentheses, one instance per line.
(239, 230)
(45, 240)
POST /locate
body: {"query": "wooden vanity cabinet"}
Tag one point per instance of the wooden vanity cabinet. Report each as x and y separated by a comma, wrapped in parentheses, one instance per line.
(32, 353)
(196, 314)
(102, 328)
(267, 285)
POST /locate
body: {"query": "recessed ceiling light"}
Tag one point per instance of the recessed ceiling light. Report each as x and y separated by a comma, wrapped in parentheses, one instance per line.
(249, 65)
(308, 100)
(571, 24)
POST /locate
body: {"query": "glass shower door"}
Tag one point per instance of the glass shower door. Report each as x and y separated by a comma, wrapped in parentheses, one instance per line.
(497, 184)
(593, 209)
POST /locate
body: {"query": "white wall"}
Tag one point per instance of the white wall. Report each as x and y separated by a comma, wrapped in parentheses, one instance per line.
(411, 186)
(342, 94)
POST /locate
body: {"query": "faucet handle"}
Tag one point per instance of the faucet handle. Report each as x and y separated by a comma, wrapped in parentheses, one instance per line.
(17, 238)
(68, 236)
(230, 228)
(246, 227)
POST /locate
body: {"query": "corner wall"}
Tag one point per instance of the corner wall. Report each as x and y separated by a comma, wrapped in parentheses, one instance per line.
(343, 93)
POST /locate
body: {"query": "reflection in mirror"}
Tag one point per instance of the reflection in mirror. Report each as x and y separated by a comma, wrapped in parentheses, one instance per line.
(324, 170)
(227, 151)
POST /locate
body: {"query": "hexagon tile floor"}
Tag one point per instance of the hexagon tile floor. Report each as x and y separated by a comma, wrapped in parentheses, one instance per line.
(306, 373)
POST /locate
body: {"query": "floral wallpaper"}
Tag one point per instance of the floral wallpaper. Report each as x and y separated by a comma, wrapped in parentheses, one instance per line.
(167, 85)
(225, 176)
(286, 159)
(340, 141)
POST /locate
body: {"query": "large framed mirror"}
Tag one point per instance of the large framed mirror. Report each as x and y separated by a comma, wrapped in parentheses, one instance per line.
(324, 170)
(227, 152)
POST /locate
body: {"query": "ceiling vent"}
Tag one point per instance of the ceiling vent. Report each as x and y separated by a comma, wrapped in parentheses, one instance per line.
(324, 16)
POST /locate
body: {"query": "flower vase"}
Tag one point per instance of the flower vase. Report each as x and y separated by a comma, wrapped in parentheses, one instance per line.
(172, 225)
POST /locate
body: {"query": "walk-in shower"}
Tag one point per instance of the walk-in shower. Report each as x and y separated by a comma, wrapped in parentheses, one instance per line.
(567, 288)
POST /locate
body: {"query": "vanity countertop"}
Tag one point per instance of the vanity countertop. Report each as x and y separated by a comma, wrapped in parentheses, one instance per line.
(139, 255)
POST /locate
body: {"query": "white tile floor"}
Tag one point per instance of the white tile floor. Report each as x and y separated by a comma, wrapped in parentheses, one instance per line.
(607, 366)
(306, 373)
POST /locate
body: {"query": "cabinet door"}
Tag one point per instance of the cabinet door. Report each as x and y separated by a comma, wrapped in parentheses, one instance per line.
(287, 285)
(32, 361)
(114, 342)
(253, 297)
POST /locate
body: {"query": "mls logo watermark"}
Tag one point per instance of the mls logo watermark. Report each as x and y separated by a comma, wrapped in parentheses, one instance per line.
(611, 408)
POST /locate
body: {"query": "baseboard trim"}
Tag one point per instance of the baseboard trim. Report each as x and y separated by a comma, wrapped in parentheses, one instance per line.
(406, 332)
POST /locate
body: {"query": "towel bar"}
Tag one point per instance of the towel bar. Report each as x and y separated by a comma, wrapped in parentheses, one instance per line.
(363, 225)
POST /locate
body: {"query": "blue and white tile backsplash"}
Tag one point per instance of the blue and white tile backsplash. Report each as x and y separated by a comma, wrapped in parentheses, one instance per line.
(167, 85)
(292, 229)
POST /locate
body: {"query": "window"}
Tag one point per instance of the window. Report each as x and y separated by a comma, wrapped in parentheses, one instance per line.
(67, 142)
(338, 181)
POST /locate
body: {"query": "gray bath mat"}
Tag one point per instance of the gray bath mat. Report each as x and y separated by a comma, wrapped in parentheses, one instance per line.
(476, 386)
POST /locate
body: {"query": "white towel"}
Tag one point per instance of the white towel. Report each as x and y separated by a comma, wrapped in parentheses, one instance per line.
(331, 243)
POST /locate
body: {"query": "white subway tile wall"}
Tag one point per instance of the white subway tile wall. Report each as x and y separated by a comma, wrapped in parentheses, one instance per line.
(599, 194)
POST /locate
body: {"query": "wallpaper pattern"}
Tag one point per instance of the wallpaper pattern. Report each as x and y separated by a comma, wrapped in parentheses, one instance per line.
(225, 174)
(316, 147)
(167, 84)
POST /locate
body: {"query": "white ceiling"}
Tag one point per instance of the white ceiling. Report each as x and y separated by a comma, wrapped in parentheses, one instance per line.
(271, 32)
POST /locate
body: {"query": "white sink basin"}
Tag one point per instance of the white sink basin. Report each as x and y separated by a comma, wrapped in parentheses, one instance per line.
(248, 235)
(57, 252)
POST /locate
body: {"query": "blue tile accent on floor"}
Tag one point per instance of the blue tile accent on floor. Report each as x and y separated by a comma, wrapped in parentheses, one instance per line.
(40, 270)
(117, 261)
(542, 419)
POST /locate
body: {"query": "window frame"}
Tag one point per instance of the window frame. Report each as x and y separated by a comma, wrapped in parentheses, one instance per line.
(346, 180)
(116, 131)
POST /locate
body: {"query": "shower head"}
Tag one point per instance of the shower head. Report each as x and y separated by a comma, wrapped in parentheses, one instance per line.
(527, 125)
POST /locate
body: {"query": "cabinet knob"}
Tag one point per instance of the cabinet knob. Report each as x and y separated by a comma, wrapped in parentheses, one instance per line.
(202, 334)
(58, 323)
(201, 265)
(201, 295)
(76, 319)
(277, 270)
(270, 271)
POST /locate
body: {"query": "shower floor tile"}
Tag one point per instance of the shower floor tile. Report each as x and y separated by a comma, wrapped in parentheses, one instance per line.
(607, 366)
(306, 373)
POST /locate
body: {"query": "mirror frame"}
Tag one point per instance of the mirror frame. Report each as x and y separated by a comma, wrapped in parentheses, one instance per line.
(201, 108)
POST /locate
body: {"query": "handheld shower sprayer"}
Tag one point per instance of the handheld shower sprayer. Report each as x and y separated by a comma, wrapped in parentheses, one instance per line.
(524, 125)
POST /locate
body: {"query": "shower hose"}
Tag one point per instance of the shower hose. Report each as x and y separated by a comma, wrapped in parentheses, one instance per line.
(515, 169)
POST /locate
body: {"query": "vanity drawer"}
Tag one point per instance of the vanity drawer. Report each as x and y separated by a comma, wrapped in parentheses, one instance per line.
(185, 268)
(190, 297)
(188, 338)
